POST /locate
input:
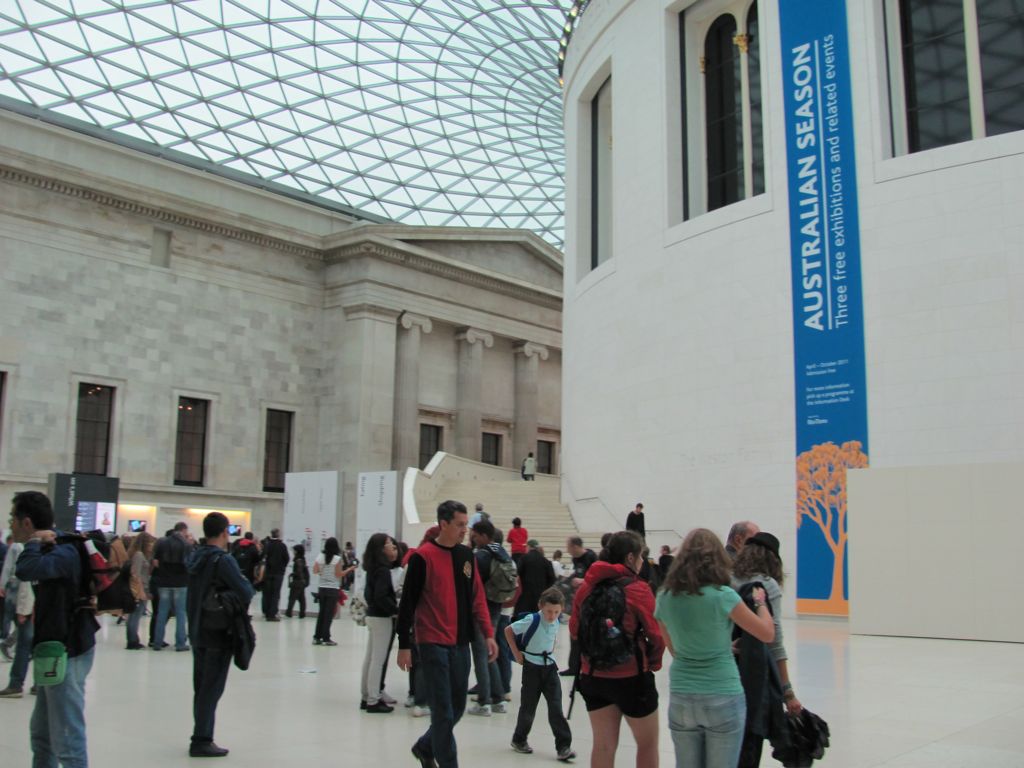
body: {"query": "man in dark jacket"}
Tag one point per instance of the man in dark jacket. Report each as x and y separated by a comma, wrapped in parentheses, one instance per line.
(536, 573)
(490, 688)
(56, 571)
(275, 563)
(169, 556)
(209, 568)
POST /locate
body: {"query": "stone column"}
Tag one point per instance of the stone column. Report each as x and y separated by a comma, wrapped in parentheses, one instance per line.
(366, 383)
(406, 440)
(469, 397)
(524, 440)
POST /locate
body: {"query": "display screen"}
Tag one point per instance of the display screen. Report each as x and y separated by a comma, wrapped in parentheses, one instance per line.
(136, 526)
(234, 530)
(96, 516)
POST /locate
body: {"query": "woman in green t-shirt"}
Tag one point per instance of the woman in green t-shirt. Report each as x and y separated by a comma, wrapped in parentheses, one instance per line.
(696, 609)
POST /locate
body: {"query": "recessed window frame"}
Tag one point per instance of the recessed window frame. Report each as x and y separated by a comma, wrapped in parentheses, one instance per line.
(114, 440)
(693, 23)
(210, 445)
(497, 449)
(424, 451)
(271, 448)
(903, 143)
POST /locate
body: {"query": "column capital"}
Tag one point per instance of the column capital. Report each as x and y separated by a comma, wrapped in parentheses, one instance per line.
(411, 319)
(529, 349)
(473, 335)
(367, 311)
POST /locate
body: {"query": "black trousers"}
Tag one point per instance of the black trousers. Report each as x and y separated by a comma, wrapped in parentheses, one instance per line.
(272, 593)
(537, 681)
(297, 595)
(328, 602)
(154, 606)
(209, 675)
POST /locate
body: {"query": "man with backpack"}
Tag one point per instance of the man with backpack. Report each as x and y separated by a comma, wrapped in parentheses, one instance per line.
(212, 575)
(498, 574)
(65, 630)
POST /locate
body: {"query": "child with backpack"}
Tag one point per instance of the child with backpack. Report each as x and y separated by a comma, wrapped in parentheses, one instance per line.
(532, 641)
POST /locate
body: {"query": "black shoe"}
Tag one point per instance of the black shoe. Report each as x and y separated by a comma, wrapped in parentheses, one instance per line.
(327, 642)
(133, 647)
(379, 708)
(287, 615)
(566, 673)
(473, 691)
(362, 704)
(206, 749)
(426, 761)
(273, 618)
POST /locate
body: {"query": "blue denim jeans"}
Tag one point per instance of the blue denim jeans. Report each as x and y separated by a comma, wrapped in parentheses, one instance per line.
(707, 729)
(446, 678)
(57, 727)
(504, 653)
(7, 619)
(169, 596)
(22, 654)
(132, 625)
(488, 678)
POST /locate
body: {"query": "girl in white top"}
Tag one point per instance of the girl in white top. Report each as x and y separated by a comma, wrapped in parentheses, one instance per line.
(328, 566)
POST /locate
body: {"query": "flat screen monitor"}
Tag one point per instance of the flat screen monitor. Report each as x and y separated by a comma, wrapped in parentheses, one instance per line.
(96, 516)
(234, 530)
(136, 526)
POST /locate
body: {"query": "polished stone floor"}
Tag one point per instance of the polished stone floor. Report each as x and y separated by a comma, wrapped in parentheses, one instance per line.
(894, 702)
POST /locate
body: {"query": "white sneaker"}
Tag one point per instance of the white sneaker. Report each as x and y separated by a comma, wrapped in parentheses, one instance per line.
(420, 711)
(499, 708)
(410, 702)
(480, 710)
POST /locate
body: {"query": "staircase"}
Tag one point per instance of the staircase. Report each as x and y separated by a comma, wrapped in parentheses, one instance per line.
(504, 496)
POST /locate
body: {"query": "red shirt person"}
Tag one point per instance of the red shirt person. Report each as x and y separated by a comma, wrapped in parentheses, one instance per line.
(517, 538)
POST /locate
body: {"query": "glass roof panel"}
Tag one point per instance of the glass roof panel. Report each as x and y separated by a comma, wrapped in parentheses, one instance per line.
(443, 112)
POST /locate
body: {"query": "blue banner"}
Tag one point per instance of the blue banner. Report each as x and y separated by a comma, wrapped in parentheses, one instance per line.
(828, 324)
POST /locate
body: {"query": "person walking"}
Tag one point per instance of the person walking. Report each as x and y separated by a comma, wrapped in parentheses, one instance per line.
(381, 608)
(635, 521)
(211, 569)
(328, 566)
(696, 610)
(298, 582)
(442, 599)
(169, 556)
(21, 603)
(529, 468)
(517, 538)
(275, 563)
(53, 563)
(140, 553)
(615, 689)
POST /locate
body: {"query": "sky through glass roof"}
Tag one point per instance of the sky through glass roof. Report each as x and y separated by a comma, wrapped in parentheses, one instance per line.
(438, 112)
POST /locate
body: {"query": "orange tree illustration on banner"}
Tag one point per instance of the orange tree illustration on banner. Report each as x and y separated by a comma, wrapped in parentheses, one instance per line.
(821, 500)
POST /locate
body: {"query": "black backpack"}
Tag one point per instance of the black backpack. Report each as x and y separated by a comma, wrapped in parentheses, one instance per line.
(602, 638)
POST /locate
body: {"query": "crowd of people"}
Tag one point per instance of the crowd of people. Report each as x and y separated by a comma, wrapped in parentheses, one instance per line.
(453, 609)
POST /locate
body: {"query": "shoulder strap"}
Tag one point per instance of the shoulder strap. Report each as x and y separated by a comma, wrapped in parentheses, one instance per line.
(532, 629)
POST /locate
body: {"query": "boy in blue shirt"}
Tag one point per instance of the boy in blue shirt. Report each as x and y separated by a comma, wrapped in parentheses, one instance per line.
(533, 649)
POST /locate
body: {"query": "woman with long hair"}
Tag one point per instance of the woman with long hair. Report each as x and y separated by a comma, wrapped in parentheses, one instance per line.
(696, 609)
(613, 691)
(759, 561)
(381, 609)
(139, 554)
(328, 566)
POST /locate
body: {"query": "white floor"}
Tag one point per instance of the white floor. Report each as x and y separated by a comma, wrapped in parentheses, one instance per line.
(900, 703)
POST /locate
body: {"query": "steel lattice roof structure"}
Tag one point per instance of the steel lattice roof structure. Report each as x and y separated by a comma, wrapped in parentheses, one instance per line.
(436, 112)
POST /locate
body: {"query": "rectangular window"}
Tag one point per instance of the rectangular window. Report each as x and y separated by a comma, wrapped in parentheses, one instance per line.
(545, 457)
(278, 449)
(430, 443)
(92, 429)
(190, 452)
(491, 449)
(1001, 42)
(601, 175)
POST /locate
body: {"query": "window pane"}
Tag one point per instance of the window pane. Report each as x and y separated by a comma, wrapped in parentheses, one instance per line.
(601, 176)
(935, 70)
(1001, 35)
(756, 117)
(545, 457)
(430, 443)
(724, 114)
(92, 429)
(277, 449)
(190, 452)
(491, 449)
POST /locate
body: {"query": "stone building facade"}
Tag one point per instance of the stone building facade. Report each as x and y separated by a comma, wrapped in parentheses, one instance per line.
(161, 282)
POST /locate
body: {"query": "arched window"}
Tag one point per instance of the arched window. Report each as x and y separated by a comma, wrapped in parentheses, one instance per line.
(724, 114)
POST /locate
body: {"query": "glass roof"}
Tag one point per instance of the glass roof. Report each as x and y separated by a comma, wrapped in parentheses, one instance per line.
(438, 112)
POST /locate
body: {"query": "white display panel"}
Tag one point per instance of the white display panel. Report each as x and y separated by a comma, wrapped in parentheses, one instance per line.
(376, 511)
(312, 506)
